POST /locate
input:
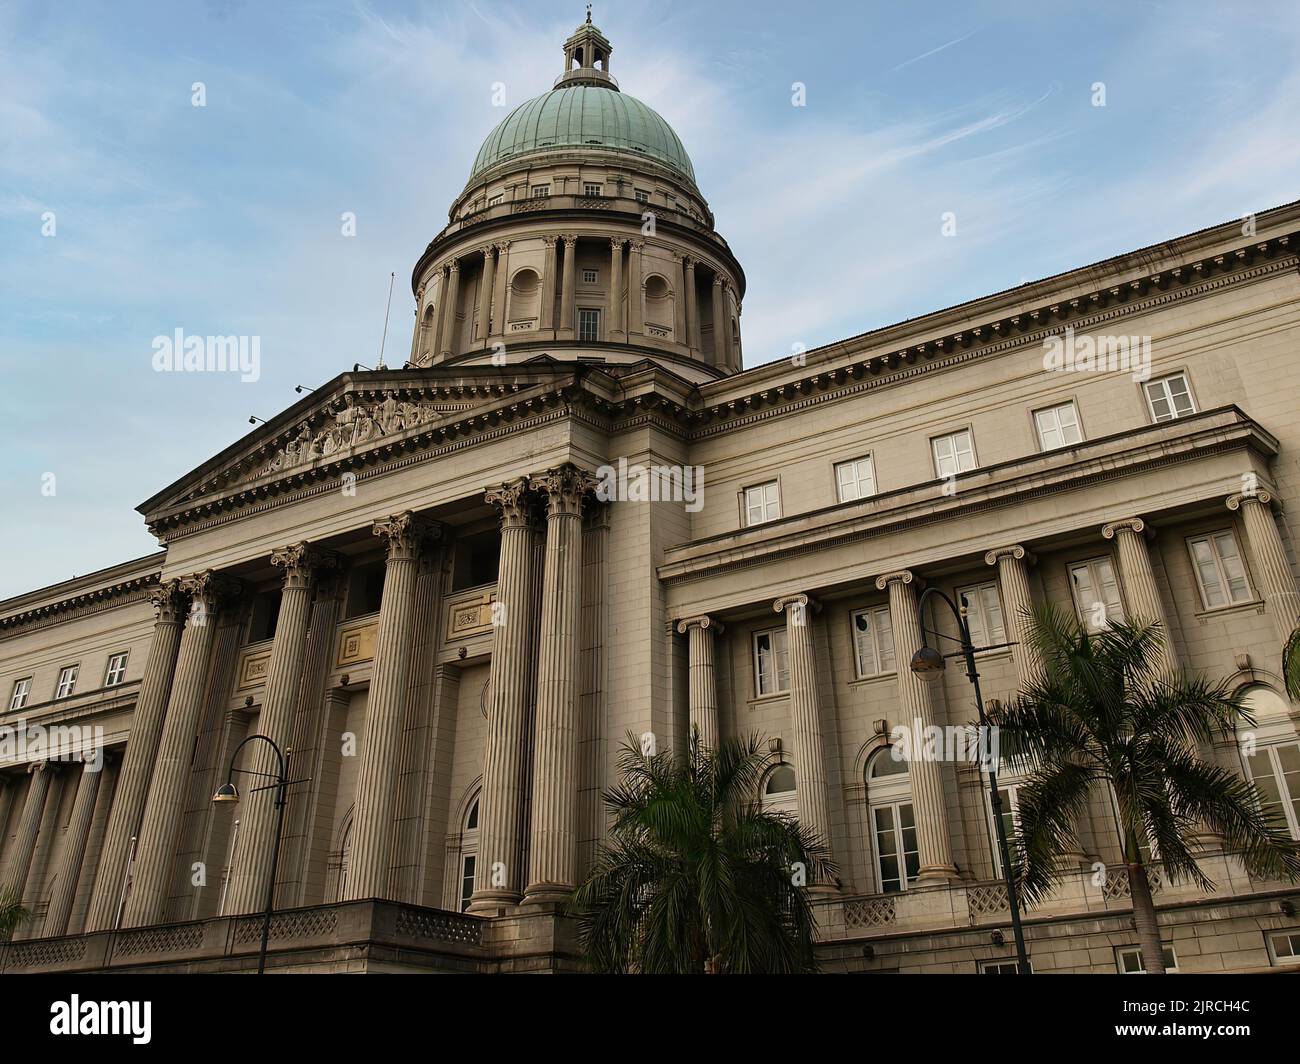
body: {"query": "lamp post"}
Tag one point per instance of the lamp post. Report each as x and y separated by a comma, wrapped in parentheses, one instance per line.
(928, 663)
(227, 792)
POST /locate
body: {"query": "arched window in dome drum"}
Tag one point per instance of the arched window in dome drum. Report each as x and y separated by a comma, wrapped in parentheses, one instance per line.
(658, 306)
(525, 297)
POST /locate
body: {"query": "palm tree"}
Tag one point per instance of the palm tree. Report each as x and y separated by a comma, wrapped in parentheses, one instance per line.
(1291, 665)
(695, 876)
(12, 913)
(1100, 711)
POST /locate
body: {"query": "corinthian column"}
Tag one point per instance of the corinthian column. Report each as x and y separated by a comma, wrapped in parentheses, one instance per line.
(1276, 581)
(1013, 582)
(138, 760)
(636, 288)
(615, 289)
(692, 310)
(553, 840)
(449, 309)
(1139, 579)
(250, 876)
(548, 285)
(486, 284)
(703, 683)
(372, 823)
(156, 851)
(719, 326)
(74, 849)
(29, 827)
(916, 712)
(568, 324)
(679, 304)
(505, 755)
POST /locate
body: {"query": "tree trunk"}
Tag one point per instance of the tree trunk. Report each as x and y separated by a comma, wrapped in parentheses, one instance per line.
(1144, 912)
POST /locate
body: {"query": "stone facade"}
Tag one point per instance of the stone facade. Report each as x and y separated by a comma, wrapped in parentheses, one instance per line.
(410, 581)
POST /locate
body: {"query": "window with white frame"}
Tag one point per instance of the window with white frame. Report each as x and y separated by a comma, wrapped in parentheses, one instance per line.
(984, 614)
(873, 641)
(116, 671)
(1128, 959)
(1058, 426)
(642, 196)
(22, 688)
(953, 454)
(1169, 398)
(855, 479)
(494, 200)
(1009, 796)
(780, 791)
(67, 681)
(771, 662)
(1220, 573)
(589, 189)
(468, 855)
(893, 822)
(762, 503)
(1284, 947)
(1273, 764)
(588, 325)
(540, 191)
(1001, 967)
(1096, 593)
(590, 276)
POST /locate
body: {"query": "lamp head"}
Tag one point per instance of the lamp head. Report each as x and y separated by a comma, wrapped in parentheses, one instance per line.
(927, 663)
(226, 793)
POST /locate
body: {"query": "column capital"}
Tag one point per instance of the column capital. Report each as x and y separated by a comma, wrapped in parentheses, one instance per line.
(300, 561)
(168, 602)
(211, 588)
(405, 534)
(1262, 496)
(702, 621)
(502, 246)
(616, 243)
(1136, 525)
(636, 245)
(570, 239)
(688, 261)
(40, 766)
(1014, 550)
(565, 488)
(549, 239)
(898, 576)
(718, 282)
(515, 502)
(454, 266)
(800, 601)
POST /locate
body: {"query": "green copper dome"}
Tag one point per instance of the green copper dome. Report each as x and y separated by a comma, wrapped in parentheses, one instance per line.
(584, 116)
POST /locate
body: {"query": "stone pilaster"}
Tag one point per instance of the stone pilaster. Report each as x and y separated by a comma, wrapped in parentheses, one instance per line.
(74, 850)
(916, 712)
(486, 283)
(1272, 570)
(692, 310)
(719, 325)
(568, 320)
(548, 283)
(1013, 582)
(703, 684)
(439, 315)
(138, 761)
(636, 288)
(615, 328)
(553, 838)
(372, 823)
(505, 756)
(252, 860)
(500, 314)
(29, 827)
(448, 341)
(1141, 592)
(165, 808)
(679, 304)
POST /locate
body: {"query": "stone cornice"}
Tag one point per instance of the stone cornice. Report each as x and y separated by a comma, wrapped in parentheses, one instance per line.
(84, 604)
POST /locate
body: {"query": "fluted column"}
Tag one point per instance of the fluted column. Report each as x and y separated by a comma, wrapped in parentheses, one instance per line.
(636, 288)
(615, 304)
(693, 310)
(372, 824)
(1272, 570)
(703, 683)
(439, 314)
(679, 304)
(548, 287)
(74, 850)
(138, 760)
(486, 283)
(448, 342)
(719, 328)
(553, 839)
(1013, 582)
(29, 827)
(159, 830)
(252, 861)
(1139, 581)
(916, 712)
(568, 324)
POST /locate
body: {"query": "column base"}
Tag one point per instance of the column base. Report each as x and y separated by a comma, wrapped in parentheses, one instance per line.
(546, 895)
(937, 876)
(492, 902)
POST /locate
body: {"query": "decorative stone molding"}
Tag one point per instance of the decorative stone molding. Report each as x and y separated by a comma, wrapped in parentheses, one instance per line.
(300, 562)
(703, 620)
(82, 605)
(407, 533)
(566, 488)
(1263, 496)
(1015, 550)
(168, 602)
(1136, 525)
(800, 601)
(211, 588)
(514, 502)
(904, 576)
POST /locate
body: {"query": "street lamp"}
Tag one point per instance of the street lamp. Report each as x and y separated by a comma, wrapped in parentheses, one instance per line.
(929, 664)
(228, 792)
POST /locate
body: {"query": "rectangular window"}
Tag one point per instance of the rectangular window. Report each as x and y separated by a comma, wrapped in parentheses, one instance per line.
(897, 857)
(1219, 570)
(642, 196)
(1058, 426)
(494, 200)
(116, 672)
(1275, 771)
(541, 190)
(983, 614)
(771, 663)
(22, 688)
(1001, 968)
(1009, 796)
(873, 641)
(591, 190)
(1128, 960)
(1169, 398)
(1096, 593)
(953, 454)
(588, 325)
(67, 681)
(467, 880)
(1285, 947)
(762, 503)
(855, 479)
(590, 276)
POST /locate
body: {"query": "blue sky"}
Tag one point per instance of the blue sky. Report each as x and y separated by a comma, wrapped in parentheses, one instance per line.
(225, 219)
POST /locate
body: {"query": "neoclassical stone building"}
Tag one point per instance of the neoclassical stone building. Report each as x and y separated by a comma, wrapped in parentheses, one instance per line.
(411, 580)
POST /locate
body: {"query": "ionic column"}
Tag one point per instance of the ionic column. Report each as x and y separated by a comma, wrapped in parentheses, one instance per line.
(719, 328)
(252, 862)
(703, 683)
(47, 826)
(29, 826)
(169, 788)
(615, 304)
(448, 341)
(916, 712)
(568, 323)
(693, 309)
(505, 755)
(138, 760)
(1013, 582)
(636, 288)
(1276, 582)
(1139, 581)
(74, 850)
(553, 839)
(372, 823)
(486, 284)
(548, 290)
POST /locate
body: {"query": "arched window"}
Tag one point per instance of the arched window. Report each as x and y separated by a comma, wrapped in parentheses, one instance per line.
(780, 791)
(893, 822)
(342, 858)
(1272, 755)
(468, 854)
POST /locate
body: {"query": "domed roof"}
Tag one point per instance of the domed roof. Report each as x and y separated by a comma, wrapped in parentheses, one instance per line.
(584, 116)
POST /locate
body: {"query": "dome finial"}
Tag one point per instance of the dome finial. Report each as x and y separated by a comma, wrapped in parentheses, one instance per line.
(586, 57)
(588, 14)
